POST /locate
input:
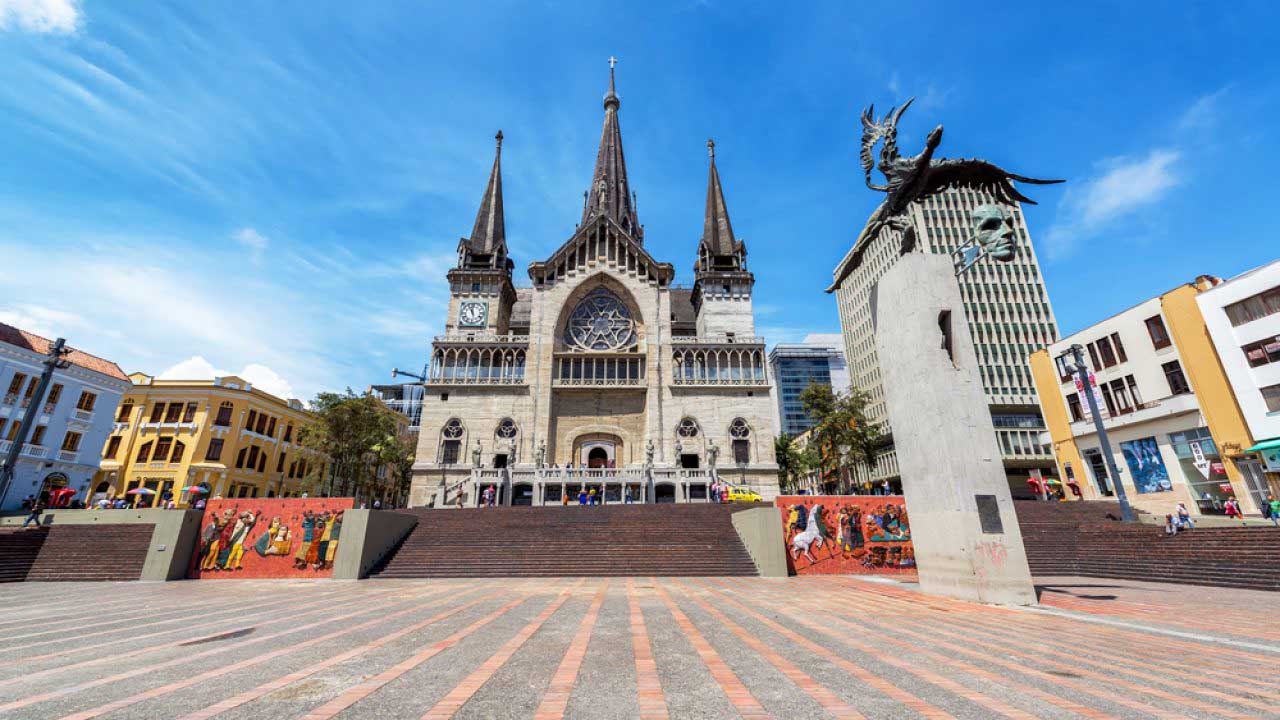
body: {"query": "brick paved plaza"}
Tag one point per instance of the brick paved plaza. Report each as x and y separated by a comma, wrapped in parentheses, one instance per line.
(691, 648)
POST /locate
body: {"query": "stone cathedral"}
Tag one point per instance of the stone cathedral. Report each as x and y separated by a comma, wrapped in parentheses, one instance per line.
(600, 373)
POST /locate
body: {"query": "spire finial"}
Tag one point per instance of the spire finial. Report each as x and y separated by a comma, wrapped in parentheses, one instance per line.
(612, 95)
(711, 148)
(498, 138)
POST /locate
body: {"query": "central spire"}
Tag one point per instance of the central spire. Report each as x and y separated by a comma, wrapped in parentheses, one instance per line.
(610, 193)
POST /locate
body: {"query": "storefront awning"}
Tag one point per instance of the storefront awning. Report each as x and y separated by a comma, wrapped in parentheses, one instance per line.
(1271, 444)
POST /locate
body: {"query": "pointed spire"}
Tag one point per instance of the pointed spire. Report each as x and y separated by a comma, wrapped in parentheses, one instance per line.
(609, 193)
(489, 236)
(717, 233)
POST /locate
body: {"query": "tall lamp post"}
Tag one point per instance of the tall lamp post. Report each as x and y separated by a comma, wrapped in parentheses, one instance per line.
(52, 361)
(1074, 361)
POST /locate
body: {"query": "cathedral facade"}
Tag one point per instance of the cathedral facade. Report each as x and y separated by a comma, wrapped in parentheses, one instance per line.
(599, 374)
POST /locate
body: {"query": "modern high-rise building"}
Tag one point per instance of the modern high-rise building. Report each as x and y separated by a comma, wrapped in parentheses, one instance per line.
(819, 358)
(1009, 318)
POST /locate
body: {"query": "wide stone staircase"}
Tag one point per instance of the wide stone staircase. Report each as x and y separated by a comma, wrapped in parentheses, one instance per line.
(1079, 538)
(74, 552)
(614, 540)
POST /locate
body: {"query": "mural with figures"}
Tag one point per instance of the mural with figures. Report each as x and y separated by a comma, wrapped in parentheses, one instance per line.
(847, 534)
(269, 537)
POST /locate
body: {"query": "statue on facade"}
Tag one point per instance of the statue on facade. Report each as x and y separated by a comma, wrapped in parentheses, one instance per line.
(908, 179)
(648, 453)
(712, 451)
(475, 455)
(542, 453)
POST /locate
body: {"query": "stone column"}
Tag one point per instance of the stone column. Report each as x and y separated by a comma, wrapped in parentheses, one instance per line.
(963, 526)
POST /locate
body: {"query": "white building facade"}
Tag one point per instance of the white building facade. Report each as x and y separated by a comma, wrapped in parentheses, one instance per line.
(1243, 317)
(75, 416)
(602, 375)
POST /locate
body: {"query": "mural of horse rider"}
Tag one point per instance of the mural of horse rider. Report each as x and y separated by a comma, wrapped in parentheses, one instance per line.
(814, 533)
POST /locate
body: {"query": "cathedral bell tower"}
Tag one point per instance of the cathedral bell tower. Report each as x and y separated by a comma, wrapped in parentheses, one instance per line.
(722, 284)
(480, 287)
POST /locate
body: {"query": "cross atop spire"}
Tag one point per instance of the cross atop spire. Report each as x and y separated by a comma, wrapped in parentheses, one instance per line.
(610, 193)
(711, 148)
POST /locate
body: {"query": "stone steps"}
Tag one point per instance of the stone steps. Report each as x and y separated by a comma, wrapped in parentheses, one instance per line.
(566, 541)
(74, 552)
(1076, 538)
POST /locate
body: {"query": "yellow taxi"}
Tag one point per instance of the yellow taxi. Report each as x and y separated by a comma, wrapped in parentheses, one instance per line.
(744, 495)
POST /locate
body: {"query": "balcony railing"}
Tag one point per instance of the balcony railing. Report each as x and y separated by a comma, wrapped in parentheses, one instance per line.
(598, 382)
(482, 339)
(717, 340)
(82, 415)
(119, 427)
(706, 379)
(161, 426)
(10, 398)
(461, 378)
(68, 456)
(29, 450)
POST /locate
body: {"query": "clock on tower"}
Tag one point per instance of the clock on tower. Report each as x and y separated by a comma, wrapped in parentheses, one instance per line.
(473, 314)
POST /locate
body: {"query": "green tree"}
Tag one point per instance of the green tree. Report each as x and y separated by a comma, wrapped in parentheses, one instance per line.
(843, 435)
(349, 438)
(789, 460)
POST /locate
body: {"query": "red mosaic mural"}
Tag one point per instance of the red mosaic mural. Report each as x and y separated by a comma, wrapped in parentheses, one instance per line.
(269, 537)
(847, 534)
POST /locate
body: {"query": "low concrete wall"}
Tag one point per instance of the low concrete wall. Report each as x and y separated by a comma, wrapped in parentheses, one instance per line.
(761, 531)
(173, 536)
(367, 536)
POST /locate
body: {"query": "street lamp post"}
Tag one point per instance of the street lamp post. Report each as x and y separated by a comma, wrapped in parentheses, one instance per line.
(52, 361)
(1076, 365)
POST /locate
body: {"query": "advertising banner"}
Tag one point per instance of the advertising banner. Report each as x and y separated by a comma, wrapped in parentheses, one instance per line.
(1146, 466)
(1097, 397)
(269, 537)
(847, 534)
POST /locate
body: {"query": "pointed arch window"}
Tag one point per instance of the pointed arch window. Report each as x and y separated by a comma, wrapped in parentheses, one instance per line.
(688, 428)
(451, 447)
(740, 435)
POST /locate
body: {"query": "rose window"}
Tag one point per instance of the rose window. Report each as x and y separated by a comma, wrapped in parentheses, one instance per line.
(600, 322)
(739, 430)
(507, 429)
(687, 428)
(453, 429)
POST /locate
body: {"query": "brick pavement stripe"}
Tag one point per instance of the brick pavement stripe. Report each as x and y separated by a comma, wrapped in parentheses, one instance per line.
(866, 649)
(456, 698)
(556, 698)
(743, 701)
(652, 701)
(313, 669)
(816, 690)
(120, 677)
(362, 690)
(1115, 672)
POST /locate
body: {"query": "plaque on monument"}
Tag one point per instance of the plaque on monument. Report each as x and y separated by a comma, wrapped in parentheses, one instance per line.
(989, 515)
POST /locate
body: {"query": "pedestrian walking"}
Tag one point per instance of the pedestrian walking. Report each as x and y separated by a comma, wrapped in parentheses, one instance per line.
(582, 495)
(37, 507)
(592, 498)
(1274, 505)
(489, 492)
(1232, 508)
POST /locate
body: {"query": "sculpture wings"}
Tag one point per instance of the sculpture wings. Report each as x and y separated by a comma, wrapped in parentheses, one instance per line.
(913, 178)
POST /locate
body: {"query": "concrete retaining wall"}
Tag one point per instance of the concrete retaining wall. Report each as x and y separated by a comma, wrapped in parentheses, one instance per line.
(367, 536)
(761, 531)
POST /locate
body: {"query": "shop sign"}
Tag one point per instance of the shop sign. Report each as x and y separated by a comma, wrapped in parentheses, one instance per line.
(1198, 459)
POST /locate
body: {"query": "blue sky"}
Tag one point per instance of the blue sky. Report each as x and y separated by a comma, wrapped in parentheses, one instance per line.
(277, 188)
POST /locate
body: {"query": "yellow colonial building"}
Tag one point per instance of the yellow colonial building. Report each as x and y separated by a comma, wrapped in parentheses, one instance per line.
(210, 438)
(1176, 431)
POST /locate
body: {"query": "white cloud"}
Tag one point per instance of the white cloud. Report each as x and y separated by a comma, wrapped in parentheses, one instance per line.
(40, 16)
(1129, 184)
(260, 376)
(43, 321)
(1124, 186)
(253, 241)
(1204, 111)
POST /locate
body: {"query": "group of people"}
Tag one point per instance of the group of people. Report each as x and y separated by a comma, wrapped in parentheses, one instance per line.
(855, 528)
(226, 537)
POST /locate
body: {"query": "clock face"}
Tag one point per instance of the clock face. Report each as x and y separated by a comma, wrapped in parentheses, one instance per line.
(472, 314)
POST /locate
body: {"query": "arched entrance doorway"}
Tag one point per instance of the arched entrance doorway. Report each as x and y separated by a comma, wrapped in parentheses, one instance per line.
(664, 493)
(522, 494)
(597, 457)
